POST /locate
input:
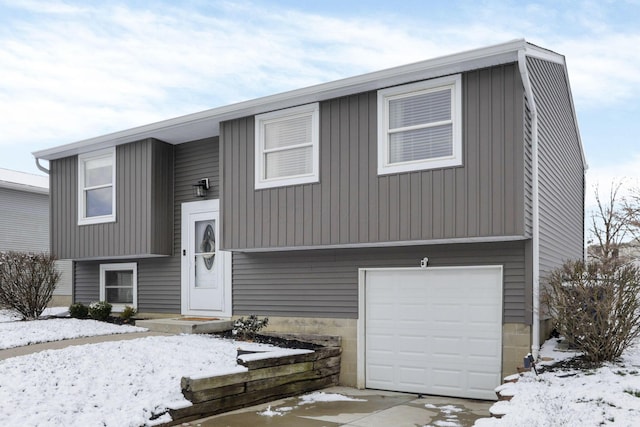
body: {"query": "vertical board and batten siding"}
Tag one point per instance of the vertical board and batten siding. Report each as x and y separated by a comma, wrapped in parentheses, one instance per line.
(24, 221)
(561, 168)
(159, 278)
(353, 205)
(144, 173)
(324, 283)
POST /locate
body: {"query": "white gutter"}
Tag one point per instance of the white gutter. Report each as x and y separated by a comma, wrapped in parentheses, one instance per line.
(42, 168)
(535, 327)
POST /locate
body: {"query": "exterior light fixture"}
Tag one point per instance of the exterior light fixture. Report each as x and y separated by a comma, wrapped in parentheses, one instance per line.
(200, 188)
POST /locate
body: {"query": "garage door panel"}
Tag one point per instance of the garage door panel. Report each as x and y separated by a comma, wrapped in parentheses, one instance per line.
(442, 329)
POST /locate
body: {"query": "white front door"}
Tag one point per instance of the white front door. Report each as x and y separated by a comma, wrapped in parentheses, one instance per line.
(206, 270)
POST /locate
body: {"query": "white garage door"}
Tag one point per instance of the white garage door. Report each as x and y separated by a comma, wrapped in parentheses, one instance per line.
(434, 330)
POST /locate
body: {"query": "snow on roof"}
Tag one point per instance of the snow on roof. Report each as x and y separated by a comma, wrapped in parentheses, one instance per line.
(23, 181)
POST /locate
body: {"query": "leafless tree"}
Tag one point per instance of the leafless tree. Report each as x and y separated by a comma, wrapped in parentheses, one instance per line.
(613, 225)
(27, 282)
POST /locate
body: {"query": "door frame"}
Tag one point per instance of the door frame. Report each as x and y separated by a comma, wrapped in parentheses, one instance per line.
(362, 307)
(203, 206)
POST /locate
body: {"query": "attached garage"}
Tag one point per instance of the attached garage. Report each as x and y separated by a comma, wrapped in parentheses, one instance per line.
(435, 330)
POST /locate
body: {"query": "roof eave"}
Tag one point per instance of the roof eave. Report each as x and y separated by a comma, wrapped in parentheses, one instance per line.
(205, 124)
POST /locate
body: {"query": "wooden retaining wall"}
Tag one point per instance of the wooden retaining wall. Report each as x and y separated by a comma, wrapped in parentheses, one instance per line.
(266, 380)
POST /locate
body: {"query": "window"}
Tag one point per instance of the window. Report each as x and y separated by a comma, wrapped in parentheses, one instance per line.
(287, 147)
(119, 284)
(419, 126)
(96, 187)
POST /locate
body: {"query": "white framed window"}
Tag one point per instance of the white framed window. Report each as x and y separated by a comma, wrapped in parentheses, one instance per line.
(119, 284)
(420, 126)
(286, 147)
(97, 187)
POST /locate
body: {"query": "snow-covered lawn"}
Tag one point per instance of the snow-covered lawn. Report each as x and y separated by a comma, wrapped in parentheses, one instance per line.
(609, 395)
(116, 384)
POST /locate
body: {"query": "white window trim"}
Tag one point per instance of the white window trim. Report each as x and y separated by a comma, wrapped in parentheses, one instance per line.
(312, 110)
(384, 95)
(82, 159)
(117, 267)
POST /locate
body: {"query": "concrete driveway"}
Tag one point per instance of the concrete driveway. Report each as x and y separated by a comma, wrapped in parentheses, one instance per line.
(373, 408)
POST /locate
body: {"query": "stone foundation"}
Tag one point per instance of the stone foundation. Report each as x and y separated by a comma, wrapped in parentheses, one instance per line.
(516, 344)
(60, 301)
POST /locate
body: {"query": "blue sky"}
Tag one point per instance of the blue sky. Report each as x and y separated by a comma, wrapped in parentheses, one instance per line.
(71, 70)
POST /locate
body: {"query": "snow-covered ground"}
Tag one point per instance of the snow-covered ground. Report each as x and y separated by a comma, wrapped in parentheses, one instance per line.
(115, 384)
(609, 395)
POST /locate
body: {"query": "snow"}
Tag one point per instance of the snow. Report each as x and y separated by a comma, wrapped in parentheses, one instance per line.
(573, 398)
(268, 355)
(450, 414)
(308, 399)
(119, 384)
(320, 396)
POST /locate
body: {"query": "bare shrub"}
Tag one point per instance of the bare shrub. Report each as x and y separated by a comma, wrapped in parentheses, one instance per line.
(27, 282)
(596, 307)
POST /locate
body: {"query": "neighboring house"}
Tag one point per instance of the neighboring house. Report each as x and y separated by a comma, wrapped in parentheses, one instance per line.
(324, 203)
(24, 222)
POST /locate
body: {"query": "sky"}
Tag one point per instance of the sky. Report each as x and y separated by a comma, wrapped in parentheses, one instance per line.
(72, 70)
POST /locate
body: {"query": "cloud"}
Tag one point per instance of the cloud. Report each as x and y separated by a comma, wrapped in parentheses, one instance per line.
(71, 72)
(602, 178)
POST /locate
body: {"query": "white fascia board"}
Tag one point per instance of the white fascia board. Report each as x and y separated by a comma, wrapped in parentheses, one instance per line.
(23, 181)
(206, 123)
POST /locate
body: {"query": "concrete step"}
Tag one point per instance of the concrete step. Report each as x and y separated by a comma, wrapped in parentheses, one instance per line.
(186, 325)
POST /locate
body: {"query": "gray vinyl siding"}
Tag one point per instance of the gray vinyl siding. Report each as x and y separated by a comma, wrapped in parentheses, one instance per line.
(64, 287)
(353, 205)
(159, 278)
(24, 221)
(561, 168)
(324, 283)
(144, 191)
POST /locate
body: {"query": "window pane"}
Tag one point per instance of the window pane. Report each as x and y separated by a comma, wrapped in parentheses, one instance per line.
(119, 295)
(288, 132)
(205, 239)
(296, 161)
(420, 144)
(98, 172)
(118, 278)
(99, 202)
(420, 109)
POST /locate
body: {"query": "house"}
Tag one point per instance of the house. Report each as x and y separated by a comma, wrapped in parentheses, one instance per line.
(414, 211)
(24, 223)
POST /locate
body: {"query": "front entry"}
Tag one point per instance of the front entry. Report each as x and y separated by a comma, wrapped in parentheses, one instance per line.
(206, 270)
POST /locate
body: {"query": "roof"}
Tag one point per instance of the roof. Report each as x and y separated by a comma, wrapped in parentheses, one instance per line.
(23, 181)
(206, 123)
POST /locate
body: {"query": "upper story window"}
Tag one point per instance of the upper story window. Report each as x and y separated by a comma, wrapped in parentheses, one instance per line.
(97, 187)
(287, 147)
(419, 126)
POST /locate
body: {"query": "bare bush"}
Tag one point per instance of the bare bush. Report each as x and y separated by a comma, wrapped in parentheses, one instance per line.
(596, 307)
(27, 282)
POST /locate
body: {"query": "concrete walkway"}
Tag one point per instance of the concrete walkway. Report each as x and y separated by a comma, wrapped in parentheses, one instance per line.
(56, 345)
(374, 408)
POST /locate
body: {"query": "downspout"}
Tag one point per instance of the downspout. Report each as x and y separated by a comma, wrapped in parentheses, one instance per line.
(535, 238)
(42, 168)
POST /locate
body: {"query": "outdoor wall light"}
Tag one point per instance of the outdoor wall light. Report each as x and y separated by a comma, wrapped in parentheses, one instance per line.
(200, 188)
